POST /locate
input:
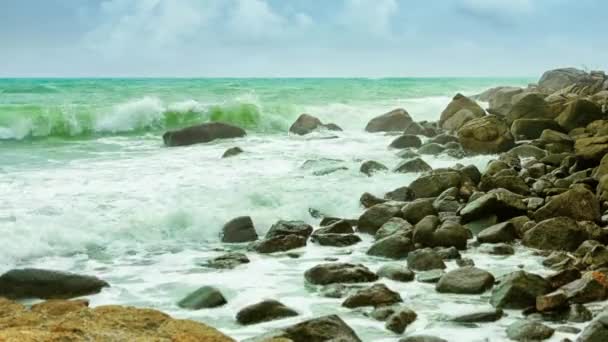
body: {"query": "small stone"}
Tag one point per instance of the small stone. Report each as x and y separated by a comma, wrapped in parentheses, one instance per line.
(231, 152)
(396, 272)
(264, 311)
(424, 260)
(398, 321)
(375, 295)
(203, 298)
(431, 276)
(529, 331)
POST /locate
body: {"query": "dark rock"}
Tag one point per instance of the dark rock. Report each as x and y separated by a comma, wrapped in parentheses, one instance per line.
(501, 202)
(375, 295)
(415, 165)
(337, 227)
(306, 124)
(393, 121)
(422, 338)
(231, 152)
(203, 298)
(561, 278)
(465, 280)
(424, 260)
(267, 310)
(279, 243)
(528, 129)
(335, 240)
(480, 224)
(435, 183)
(396, 272)
(47, 284)
(530, 106)
(228, 261)
(401, 194)
(373, 218)
(498, 249)
(447, 201)
(283, 228)
(518, 290)
(589, 288)
(368, 200)
(330, 273)
(579, 314)
(551, 301)
(398, 321)
(529, 331)
(458, 112)
(395, 246)
(405, 141)
(326, 328)
(502, 232)
(407, 153)
(238, 230)
(559, 233)
(451, 234)
(202, 133)
(370, 167)
(578, 204)
(479, 317)
(464, 262)
(579, 113)
(394, 226)
(431, 149)
(418, 209)
(597, 330)
(512, 183)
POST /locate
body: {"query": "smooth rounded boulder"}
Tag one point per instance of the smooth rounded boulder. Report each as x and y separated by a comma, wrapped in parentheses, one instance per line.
(307, 123)
(579, 113)
(267, 310)
(458, 112)
(202, 133)
(239, 230)
(486, 135)
(558, 233)
(556, 79)
(203, 298)
(47, 284)
(465, 280)
(375, 295)
(326, 328)
(518, 290)
(394, 121)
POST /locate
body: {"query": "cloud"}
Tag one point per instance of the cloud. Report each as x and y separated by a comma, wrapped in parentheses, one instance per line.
(370, 17)
(501, 12)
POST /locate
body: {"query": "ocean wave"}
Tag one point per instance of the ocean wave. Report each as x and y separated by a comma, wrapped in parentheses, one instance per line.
(141, 115)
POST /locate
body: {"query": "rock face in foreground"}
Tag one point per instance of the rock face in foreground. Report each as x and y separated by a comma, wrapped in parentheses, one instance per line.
(47, 284)
(59, 320)
(326, 328)
(394, 121)
(202, 133)
(487, 135)
(306, 124)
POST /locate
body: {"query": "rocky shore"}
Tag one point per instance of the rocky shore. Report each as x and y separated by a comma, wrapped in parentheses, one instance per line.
(547, 190)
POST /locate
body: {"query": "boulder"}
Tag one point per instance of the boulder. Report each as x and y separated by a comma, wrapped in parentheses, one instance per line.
(579, 113)
(405, 141)
(528, 129)
(375, 295)
(368, 200)
(266, 310)
(528, 151)
(552, 301)
(326, 328)
(597, 330)
(335, 240)
(47, 284)
(228, 261)
(415, 165)
(579, 314)
(465, 280)
(336, 227)
(373, 218)
(591, 149)
(518, 290)
(396, 272)
(501, 232)
(202, 133)
(557, 79)
(435, 183)
(486, 135)
(394, 226)
(418, 209)
(529, 106)
(458, 112)
(500, 202)
(283, 228)
(331, 273)
(591, 287)
(203, 298)
(395, 246)
(502, 101)
(401, 194)
(424, 260)
(370, 167)
(400, 319)
(512, 183)
(451, 234)
(394, 121)
(238, 230)
(306, 124)
(558, 233)
(529, 331)
(231, 152)
(578, 203)
(281, 243)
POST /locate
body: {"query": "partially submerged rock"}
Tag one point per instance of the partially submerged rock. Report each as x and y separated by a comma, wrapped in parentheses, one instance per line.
(238, 230)
(202, 133)
(203, 298)
(375, 295)
(394, 121)
(465, 280)
(326, 328)
(266, 310)
(307, 123)
(330, 273)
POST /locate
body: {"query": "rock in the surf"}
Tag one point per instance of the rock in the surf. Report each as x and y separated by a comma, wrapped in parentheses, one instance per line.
(203, 298)
(239, 229)
(518, 290)
(307, 123)
(280, 243)
(371, 166)
(394, 121)
(282, 228)
(461, 110)
(375, 295)
(465, 280)
(47, 284)
(486, 135)
(202, 133)
(331, 273)
(233, 151)
(326, 328)
(529, 331)
(266, 310)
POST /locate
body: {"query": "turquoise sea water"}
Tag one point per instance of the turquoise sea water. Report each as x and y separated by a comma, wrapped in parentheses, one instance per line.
(86, 186)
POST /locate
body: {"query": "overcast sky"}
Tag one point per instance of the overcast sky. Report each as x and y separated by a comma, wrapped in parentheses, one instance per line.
(266, 38)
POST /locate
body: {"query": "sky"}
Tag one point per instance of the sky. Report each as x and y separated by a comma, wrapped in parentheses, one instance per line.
(300, 38)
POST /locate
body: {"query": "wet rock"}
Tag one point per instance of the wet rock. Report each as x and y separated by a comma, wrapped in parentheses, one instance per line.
(338, 226)
(465, 280)
(394, 121)
(333, 291)
(512, 183)
(561, 278)
(203, 298)
(501, 202)
(325, 328)
(431, 276)
(418, 209)
(529, 331)
(335, 240)
(498, 249)
(589, 288)
(306, 124)
(578, 204)
(375, 295)
(597, 330)
(47, 284)
(424, 260)
(370, 167)
(401, 194)
(398, 321)
(449, 253)
(283, 228)
(368, 200)
(405, 141)
(551, 301)
(407, 153)
(393, 226)
(528, 151)
(422, 338)
(556, 142)
(591, 149)
(279, 243)
(579, 314)
(451, 234)
(228, 261)
(395, 246)
(267, 310)
(486, 135)
(458, 112)
(479, 317)
(502, 232)
(330, 273)
(464, 262)
(447, 201)
(415, 165)
(373, 218)
(396, 272)
(431, 149)
(579, 113)
(528, 129)
(559, 233)
(202, 133)
(478, 225)
(433, 184)
(518, 290)
(231, 152)
(238, 230)
(529, 106)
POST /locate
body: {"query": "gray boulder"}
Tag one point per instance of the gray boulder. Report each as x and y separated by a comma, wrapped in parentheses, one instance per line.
(394, 121)
(465, 280)
(202, 133)
(238, 230)
(203, 298)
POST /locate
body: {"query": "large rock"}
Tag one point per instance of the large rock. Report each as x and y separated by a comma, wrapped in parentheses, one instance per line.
(465, 280)
(283, 228)
(486, 135)
(424, 260)
(512, 183)
(557, 79)
(395, 225)
(202, 133)
(281, 243)
(394, 121)
(529, 106)
(591, 287)
(528, 129)
(405, 141)
(458, 112)
(501, 232)
(435, 183)
(326, 328)
(518, 290)
(529, 331)
(578, 203)
(415, 165)
(500, 202)
(591, 149)
(239, 229)
(597, 330)
(558, 233)
(502, 101)
(331, 273)
(395, 246)
(579, 113)
(370, 167)
(373, 218)
(204, 297)
(375, 295)
(61, 320)
(416, 210)
(267, 310)
(306, 124)
(47, 284)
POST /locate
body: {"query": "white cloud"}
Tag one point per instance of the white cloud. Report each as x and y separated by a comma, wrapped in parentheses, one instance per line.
(369, 16)
(499, 8)
(254, 19)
